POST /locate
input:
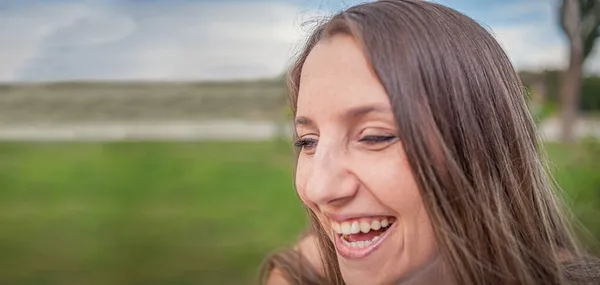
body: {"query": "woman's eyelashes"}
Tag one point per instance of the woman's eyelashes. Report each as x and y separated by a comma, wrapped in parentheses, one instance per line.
(305, 143)
(309, 144)
(372, 139)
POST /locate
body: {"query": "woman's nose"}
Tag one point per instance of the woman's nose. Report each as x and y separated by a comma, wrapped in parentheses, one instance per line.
(330, 178)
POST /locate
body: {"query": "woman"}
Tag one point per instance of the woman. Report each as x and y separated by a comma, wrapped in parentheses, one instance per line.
(418, 160)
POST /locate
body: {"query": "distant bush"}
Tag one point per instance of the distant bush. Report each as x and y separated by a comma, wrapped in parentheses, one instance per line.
(590, 94)
(589, 100)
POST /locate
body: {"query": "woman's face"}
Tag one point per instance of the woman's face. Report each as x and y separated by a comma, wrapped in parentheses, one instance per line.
(352, 171)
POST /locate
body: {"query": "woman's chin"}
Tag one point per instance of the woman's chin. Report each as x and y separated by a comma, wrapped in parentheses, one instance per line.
(369, 264)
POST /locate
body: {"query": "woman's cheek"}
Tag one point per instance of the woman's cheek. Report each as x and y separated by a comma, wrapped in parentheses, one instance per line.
(300, 180)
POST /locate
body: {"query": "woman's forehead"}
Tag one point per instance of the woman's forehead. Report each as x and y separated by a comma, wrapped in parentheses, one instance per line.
(337, 75)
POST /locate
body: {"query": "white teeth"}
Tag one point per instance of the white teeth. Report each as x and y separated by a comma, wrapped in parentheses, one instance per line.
(345, 228)
(336, 227)
(384, 223)
(355, 228)
(375, 225)
(359, 244)
(348, 228)
(365, 227)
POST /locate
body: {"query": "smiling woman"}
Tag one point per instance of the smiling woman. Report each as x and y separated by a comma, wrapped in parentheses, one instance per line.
(418, 161)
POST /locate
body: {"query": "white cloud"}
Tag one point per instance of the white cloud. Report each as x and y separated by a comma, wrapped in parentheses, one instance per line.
(189, 41)
(531, 44)
(23, 30)
(210, 40)
(250, 40)
(529, 49)
(530, 34)
(96, 27)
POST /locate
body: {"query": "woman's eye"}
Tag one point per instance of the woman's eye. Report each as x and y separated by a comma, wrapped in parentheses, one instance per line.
(306, 143)
(377, 139)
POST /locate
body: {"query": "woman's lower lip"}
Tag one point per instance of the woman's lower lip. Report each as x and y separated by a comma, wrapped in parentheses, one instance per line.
(349, 252)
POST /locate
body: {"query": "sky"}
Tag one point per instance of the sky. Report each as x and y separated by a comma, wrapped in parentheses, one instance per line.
(183, 40)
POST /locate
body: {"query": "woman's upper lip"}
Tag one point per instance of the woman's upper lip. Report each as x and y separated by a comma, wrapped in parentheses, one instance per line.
(340, 217)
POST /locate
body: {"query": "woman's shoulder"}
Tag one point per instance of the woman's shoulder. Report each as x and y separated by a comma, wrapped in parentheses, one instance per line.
(308, 247)
(583, 270)
(300, 264)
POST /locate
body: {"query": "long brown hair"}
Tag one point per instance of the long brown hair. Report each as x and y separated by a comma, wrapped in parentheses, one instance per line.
(471, 143)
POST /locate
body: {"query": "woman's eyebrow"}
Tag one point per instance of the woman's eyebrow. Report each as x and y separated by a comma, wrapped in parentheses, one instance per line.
(351, 114)
(361, 111)
(303, 121)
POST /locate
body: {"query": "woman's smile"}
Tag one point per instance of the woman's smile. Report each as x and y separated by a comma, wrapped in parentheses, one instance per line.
(358, 238)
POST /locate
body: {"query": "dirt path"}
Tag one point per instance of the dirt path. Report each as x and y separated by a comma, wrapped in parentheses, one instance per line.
(198, 131)
(161, 131)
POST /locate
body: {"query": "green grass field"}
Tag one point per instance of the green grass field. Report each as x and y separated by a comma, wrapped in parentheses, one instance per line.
(172, 213)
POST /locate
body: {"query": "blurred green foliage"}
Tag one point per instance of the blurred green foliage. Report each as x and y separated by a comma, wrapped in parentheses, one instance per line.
(590, 94)
(589, 100)
(175, 213)
(577, 171)
(68, 102)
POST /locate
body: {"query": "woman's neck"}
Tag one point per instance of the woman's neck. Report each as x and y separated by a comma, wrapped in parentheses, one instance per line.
(432, 273)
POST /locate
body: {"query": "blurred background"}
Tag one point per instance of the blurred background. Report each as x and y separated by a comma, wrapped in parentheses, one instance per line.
(147, 142)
